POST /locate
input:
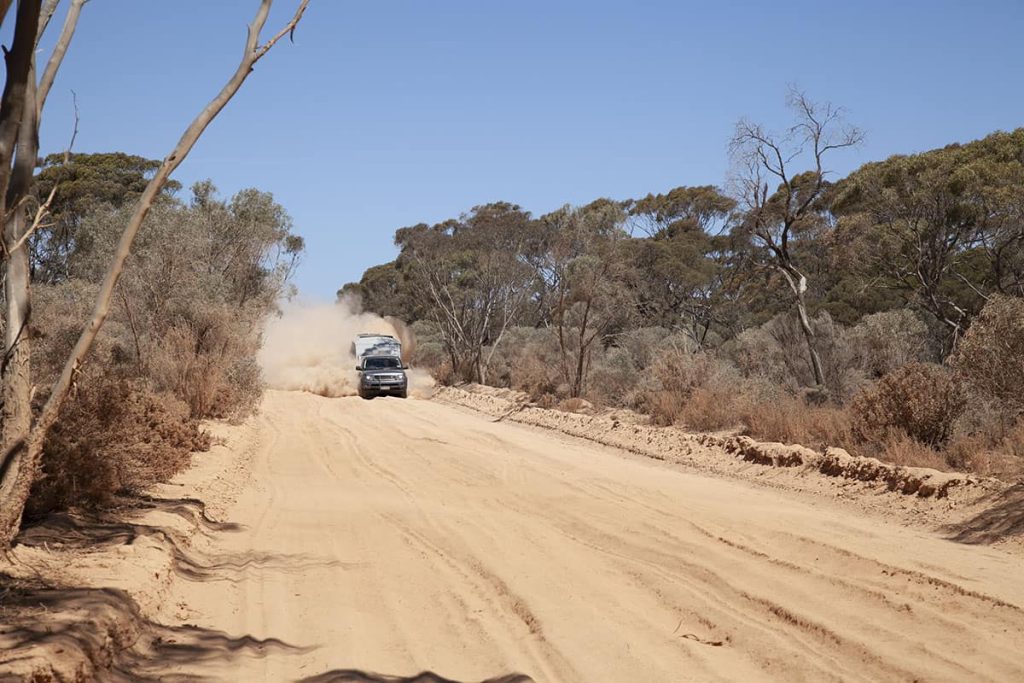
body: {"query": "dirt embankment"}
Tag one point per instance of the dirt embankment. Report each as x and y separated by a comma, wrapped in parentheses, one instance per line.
(920, 495)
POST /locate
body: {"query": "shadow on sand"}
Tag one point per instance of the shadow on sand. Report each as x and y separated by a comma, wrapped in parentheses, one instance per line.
(354, 676)
(1003, 518)
(51, 631)
(97, 530)
(67, 631)
(60, 633)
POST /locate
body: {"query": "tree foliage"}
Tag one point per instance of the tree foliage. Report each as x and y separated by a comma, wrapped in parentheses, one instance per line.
(946, 227)
(475, 278)
(797, 276)
(82, 184)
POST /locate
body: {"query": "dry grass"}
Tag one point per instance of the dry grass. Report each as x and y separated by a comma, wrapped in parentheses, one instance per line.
(787, 419)
(710, 409)
(903, 450)
(994, 452)
(664, 407)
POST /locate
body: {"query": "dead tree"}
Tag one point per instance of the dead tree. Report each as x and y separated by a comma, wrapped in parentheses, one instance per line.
(773, 217)
(20, 109)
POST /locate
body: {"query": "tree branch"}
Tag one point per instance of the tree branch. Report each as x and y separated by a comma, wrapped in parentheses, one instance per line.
(57, 56)
(188, 140)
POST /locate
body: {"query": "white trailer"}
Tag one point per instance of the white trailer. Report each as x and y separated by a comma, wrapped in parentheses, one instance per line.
(376, 345)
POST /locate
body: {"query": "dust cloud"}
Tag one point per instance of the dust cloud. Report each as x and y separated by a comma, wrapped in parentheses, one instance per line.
(308, 347)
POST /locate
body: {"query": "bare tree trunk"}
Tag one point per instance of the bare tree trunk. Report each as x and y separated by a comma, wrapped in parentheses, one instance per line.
(16, 378)
(579, 381)
(18, 61)
(16, 473)
(29, 451)
(798, 283)
(805, 325)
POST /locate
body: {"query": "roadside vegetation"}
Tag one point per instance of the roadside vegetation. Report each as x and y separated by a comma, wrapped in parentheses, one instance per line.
(128, 314)
(179, 344)
(882, 312)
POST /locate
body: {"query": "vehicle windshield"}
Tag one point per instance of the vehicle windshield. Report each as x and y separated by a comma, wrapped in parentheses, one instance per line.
(381, 363)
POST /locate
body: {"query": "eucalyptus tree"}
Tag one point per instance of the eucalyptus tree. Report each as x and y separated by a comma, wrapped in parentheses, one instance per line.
(473, 272)
(586, 269)
(685, 258)
(780, 180)
(945, 226)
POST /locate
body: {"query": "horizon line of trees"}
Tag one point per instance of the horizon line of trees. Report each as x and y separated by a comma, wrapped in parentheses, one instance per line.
(939, 233)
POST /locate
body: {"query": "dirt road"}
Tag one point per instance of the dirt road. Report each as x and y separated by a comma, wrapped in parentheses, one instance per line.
(399, 536)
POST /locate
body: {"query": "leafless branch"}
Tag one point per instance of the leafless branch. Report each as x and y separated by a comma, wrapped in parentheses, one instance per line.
(4, 6)
(37, 222)
(57, 56)
(43, 210)
(74, 130)
(49, 9)
(289, 29)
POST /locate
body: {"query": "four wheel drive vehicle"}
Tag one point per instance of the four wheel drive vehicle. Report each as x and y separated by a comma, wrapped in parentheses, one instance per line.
(382, 376)
(380, 368)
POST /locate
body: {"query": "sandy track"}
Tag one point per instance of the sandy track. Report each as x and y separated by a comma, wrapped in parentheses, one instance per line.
(399, 536)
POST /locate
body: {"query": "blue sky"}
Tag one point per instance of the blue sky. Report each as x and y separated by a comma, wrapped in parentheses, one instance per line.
(388, 113)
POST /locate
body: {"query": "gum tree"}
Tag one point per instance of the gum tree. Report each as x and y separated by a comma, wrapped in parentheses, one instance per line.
(779, 202)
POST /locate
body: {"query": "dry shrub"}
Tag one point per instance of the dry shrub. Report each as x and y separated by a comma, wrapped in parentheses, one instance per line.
(921, 400)
(709, 409)
(787, 419)
(116, 436)
(995, 452)
(575, 405)
(444, 374)
(776, 352)
(683, 372)
(58, 314)
(758, 354)
(526, 360)
(991, 355)
(613, 377)
(664, 407)
(535, 377)
(207, 359)
(696, 390)
(1013, 442)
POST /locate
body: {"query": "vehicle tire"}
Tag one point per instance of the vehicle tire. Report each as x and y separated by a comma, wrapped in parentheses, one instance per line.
(404, 393)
